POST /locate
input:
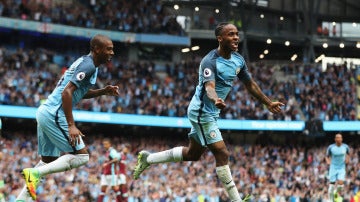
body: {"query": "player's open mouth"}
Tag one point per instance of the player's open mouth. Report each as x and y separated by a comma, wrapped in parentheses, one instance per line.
(235, 44)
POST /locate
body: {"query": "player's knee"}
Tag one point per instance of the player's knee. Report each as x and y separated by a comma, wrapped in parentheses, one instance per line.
(194, 157)
(48, 159)
(191, 156)
(222, 153)
(221, 156)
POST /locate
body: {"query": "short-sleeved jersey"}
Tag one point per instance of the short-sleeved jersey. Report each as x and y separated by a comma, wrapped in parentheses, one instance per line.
(110, 169)
(337, 154)
(223, 71)
(81, 73)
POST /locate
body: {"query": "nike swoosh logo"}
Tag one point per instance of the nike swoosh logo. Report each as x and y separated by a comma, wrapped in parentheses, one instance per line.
(29, 179)
(228, 182)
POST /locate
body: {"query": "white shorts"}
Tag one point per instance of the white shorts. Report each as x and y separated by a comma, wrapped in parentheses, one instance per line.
(122, 179)
(109, 180)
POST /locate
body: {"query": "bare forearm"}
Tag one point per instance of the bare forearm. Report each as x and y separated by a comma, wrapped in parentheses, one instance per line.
(327, 159)
(67, 106)
(114, 161)
(255, 90)
(211, 94)
(94, 93)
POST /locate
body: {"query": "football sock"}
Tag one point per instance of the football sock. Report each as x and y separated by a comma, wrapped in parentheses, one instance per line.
(124, 194)
(339, 188)
(331, 192)
(101, 197)
(24, 194)
(63, 163)
(224, 174)
(118, 196)
(171, 155)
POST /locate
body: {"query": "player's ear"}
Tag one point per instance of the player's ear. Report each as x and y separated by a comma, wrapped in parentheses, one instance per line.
(98, 48)
(219, 38)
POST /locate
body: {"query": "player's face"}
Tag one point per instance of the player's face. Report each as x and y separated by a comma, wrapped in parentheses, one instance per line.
(229, 38)
(106, 145)
(338, 139)
(125, 150)
(106, 52)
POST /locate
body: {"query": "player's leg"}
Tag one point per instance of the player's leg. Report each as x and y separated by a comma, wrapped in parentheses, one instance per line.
(340, 182)
(217, 146)
(117, 192)
(332, 179)
(123, 188)
(124, 192)
(32, 179)
(57, 132)
(56, 141)
(115, 186)
(190, 153)
(103, 187)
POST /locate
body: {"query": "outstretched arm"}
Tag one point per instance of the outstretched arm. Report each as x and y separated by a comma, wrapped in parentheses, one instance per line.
(108, 90)
(254, 89)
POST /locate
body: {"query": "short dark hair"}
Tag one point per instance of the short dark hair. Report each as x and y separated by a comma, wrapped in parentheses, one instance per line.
(97, 40)
(220, 27)
(107, 140)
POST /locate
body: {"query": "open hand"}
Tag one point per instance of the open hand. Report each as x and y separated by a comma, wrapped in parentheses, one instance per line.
(111, 90)
(74, 135)
(275, 107)
(220, 103)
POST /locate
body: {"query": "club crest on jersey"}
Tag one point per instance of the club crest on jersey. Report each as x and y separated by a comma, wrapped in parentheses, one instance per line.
(207, 72)
(80, 76)
(213, 134)
(237, 70)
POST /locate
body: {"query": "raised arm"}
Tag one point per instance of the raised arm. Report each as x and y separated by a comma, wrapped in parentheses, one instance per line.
(107, 90)
(254, 89)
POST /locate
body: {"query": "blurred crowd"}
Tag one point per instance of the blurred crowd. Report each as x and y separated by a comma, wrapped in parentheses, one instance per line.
(29, 76)
(269, 172)
(141, 16)
(324, 94)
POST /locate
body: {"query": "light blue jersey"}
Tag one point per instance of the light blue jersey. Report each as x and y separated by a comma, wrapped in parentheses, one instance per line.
(337, 165)
(213, 67)
(202, 112)
(81, 73)
(53, 134)
(337, 154)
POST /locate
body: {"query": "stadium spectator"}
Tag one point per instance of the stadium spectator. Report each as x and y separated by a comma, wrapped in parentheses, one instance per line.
(128, 16)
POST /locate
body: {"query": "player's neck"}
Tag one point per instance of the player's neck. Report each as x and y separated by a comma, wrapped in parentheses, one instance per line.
(224, 53)
(338, 144)
(96, 63)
